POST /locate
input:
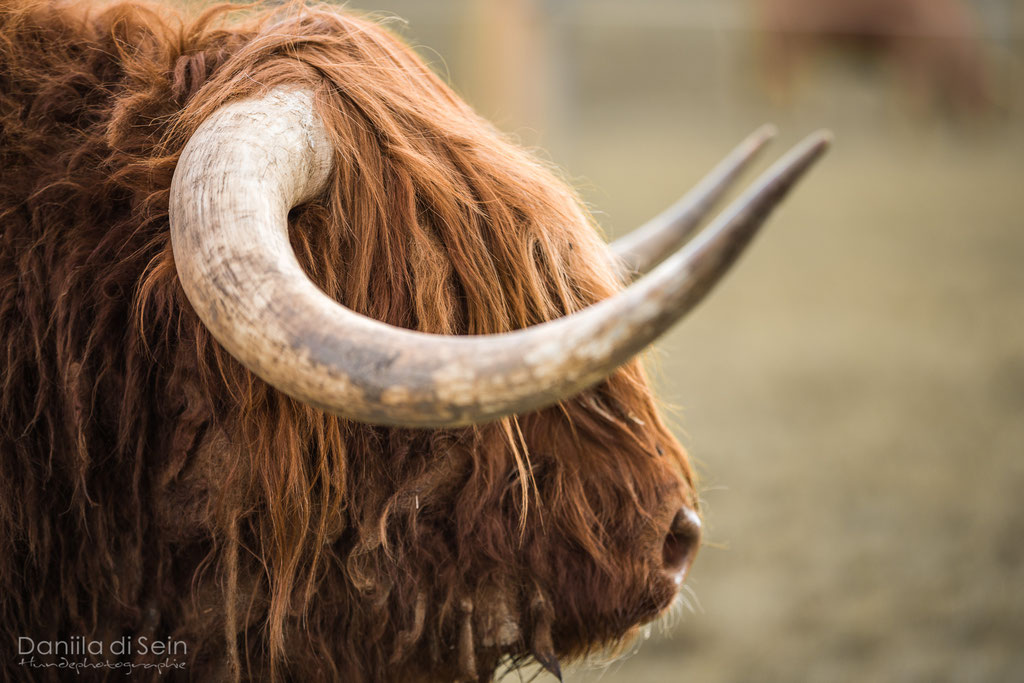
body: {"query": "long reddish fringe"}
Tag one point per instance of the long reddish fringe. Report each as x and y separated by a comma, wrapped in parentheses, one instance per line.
(150, 485)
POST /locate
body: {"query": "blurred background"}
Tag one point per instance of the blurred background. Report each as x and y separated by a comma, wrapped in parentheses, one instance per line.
(854, 392)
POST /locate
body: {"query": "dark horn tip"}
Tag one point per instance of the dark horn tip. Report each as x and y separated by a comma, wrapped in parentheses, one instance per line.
(806, 153)
(823, 138)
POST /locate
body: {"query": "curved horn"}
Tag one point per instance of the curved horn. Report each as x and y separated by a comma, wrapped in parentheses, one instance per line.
(648, 245)
(252, 161)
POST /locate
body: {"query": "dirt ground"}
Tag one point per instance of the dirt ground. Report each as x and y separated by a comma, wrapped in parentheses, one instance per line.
(854, 393)
(855, 397)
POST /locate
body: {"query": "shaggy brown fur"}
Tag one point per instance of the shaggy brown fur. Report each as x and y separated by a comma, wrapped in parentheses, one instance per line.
(151, 486)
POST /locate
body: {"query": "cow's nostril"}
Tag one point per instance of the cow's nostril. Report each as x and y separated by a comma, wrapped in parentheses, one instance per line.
(681, 543)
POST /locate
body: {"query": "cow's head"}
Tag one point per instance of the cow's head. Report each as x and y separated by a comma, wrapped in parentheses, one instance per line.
(420, 437)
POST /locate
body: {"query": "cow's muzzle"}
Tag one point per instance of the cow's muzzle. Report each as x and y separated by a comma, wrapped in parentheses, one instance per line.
(681, 544)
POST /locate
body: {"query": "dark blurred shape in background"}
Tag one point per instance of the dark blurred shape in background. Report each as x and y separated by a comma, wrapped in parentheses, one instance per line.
(934, 46)
(854, 393)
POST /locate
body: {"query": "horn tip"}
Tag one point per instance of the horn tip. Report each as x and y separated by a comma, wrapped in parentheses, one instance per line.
(822, 138)
(766, 132)
(812, 147)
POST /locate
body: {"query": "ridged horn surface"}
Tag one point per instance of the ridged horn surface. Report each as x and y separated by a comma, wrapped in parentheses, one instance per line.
(253, 160)
(651, 243)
